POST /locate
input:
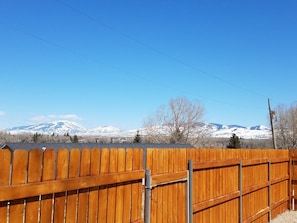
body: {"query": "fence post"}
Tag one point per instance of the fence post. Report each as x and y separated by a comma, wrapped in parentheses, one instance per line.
(240, 189)
(269, 188)
(148, 189)
(190, 192)
(292, 183)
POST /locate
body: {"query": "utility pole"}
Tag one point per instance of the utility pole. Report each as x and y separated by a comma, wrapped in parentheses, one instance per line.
(271, 114)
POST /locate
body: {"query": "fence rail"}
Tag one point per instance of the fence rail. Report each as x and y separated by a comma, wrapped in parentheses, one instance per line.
(107, 185)
(98, 185)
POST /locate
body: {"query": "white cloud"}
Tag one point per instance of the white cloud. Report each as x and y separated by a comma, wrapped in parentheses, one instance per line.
(2, 113)
(47, 118)
(71, 116)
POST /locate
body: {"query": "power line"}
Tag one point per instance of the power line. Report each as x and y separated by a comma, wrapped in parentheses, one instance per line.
(88, 58)
(154, 49)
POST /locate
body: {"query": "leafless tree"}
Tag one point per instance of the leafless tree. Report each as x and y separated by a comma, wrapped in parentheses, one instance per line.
(178, 122)
(286, 126)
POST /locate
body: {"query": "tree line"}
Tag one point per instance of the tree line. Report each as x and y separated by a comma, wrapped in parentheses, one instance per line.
(180, 121)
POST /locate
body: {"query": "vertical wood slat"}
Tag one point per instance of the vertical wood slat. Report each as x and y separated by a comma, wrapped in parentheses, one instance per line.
(166, 187)
(175, 204)
(72, 196)
(140, 211)
(34, 175)
(182, 185)
(112, 190)
(48, 173)
(94, 192)
(127, 188)
(119, 210)
(257, 174)
(176, 191)
(83, 196)
(136, 187)
(171, 192)
(61, 173)
(103, 193)
(5, 157)
(159, 190)
(154, 193)
(19, 176)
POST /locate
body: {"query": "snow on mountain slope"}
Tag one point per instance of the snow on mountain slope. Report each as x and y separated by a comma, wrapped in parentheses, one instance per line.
(56, 127)
(104, 130)
(211, 129)
(226, 131)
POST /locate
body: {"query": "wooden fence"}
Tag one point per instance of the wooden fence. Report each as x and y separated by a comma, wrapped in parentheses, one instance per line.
(293, 174)
(107, 185)
(98, 185)
(220, 196)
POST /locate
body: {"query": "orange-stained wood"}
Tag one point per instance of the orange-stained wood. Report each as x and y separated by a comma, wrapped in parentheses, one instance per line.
(72, 196)
(214, 164)
(104, 169)
(107, 184)
(252, 162)
(257, 215)
(19, 176)
(94, 191)
(112, 190)
(47, 187)
(167, 178)
(61, 173)
(215, 201)
(48, 173)
(127, 203)
(83, 194)
(34, 175)
(5, 157)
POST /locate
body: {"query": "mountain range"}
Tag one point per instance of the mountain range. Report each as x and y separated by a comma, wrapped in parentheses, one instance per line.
(63, 127)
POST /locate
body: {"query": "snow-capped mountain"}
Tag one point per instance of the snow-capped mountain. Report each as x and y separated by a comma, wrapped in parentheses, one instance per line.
(211, 129)
(104, 131)
(56, 127)
(226, 131)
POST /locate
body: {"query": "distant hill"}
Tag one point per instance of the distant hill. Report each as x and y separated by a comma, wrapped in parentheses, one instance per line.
(226, 131)
(63, 127)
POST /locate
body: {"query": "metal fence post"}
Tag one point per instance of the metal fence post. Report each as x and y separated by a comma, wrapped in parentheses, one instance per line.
(190, 192)
(148, 191)
(269, 189)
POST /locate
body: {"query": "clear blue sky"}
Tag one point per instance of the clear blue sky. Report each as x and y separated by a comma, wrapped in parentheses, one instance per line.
(115, 62)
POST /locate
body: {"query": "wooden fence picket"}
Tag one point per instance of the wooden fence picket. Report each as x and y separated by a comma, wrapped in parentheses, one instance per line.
(166, 188)
(19, 176)
(94, 191)
(105, 185)
(127, 196)
(112, 190)
(119, 207)
(171, 193)
(83, 194)
(72, 196)
(137, 187)
(5, 157)
(103, 193)
(34, 175)
(48, 173)
(158, 191)
(62, 162)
